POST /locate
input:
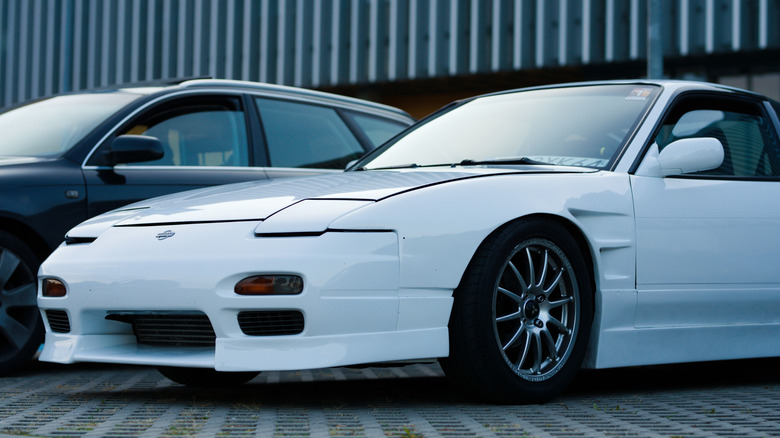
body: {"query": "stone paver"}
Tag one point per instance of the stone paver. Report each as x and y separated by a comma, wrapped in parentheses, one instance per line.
(725, 399)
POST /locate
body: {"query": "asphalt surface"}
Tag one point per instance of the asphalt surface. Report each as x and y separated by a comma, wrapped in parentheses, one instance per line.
(729, 399)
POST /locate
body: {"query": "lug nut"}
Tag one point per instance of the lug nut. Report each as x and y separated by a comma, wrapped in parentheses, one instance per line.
(538, 323)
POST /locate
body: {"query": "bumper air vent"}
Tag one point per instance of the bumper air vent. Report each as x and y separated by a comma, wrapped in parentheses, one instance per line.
(271, 323)
(58, 321)
(170, 330)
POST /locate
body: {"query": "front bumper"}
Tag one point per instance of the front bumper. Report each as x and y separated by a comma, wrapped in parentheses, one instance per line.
(353, 307)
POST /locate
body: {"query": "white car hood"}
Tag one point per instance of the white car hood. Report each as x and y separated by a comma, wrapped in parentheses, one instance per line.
(261, 199)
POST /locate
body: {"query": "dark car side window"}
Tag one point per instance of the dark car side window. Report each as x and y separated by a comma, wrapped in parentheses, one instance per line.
(376, 130)
(197, 133)
(750, 145)
(302, 135)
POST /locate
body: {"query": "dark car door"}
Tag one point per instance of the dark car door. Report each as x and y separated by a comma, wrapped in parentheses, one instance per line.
(206, 141)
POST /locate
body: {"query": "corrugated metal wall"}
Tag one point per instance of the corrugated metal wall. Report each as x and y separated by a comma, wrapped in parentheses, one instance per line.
(50, 46)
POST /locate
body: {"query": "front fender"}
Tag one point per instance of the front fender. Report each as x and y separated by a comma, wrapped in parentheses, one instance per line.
(440, 227)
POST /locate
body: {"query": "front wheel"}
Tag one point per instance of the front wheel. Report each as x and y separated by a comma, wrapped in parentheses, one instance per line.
(206, 377)
(522, 315)
(21, 328)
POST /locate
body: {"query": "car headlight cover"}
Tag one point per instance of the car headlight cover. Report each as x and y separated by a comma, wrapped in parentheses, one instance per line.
(308, 216)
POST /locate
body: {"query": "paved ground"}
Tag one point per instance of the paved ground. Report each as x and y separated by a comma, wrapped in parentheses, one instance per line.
(733, 399)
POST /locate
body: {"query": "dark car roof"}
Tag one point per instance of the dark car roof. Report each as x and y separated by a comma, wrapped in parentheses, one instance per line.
(291, 92)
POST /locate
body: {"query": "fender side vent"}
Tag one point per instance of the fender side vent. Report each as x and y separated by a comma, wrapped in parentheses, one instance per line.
(271, 322)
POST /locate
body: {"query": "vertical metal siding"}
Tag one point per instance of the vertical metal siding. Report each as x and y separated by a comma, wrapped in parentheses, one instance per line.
(52, 46)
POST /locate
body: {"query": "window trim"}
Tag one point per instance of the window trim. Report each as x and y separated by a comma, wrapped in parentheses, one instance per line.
(89, 160)
(337, 110)
(739, 100)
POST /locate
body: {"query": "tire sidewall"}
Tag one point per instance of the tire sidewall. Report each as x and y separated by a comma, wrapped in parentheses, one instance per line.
(492, 378)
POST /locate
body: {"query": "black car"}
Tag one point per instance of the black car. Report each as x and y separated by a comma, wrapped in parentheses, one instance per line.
(66, 158)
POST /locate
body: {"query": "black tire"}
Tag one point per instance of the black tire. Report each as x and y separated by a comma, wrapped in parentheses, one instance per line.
(206, 377)
(21, 328)
(512, 342)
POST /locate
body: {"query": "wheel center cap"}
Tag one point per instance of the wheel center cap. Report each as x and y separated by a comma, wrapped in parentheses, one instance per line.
(531, 309)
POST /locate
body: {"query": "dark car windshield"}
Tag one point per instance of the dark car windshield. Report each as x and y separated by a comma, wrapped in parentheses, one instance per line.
(575, 126)
(51, 126)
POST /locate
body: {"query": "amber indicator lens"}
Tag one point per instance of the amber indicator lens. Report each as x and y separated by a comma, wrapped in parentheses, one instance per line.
(53, 288)
(270, 285)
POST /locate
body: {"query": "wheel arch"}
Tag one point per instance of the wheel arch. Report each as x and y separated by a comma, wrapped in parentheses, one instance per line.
(567, 225)
(27, 235)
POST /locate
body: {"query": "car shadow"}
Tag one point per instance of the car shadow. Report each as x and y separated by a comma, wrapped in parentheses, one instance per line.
(687, 376)
(361, 391)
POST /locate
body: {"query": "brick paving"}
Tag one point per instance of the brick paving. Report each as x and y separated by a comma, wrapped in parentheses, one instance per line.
(723, 399)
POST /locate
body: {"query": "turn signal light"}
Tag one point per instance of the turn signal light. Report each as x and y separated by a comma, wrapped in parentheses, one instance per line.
(270, 285)
(53, 288)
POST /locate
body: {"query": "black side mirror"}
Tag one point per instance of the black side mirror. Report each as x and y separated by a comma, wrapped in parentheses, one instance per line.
(134, 149)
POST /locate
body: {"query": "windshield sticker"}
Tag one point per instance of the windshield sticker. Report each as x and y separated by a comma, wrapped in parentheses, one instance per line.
(639, 94)
(572, 161)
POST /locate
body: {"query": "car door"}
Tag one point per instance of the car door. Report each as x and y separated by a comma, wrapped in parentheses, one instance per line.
(707, 242)
(205, 139)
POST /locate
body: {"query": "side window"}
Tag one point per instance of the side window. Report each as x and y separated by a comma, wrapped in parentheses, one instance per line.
(197, 133)
(750, 144)
(302, 135)
(376, 129)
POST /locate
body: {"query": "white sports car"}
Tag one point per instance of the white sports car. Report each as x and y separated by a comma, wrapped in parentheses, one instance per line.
(517, 237)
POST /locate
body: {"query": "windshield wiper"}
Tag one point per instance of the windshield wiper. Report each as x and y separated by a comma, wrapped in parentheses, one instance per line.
(514, 160)
(397, 166)
(467, 162)
(409, 166)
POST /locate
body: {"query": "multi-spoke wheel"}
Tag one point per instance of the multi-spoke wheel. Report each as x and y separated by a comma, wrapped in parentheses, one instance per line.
(522, 314)
(534, 309)
(205, 377)
(21, 330)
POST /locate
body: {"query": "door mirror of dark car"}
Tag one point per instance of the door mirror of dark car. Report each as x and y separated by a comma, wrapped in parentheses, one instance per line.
(135, 149)
(688, 155)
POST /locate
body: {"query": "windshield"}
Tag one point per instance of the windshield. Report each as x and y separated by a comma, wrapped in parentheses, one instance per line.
(578, 126)
(52, 126)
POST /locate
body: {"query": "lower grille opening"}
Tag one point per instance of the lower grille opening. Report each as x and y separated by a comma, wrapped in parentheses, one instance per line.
(58, 321)
(271, 322)
(170, 330)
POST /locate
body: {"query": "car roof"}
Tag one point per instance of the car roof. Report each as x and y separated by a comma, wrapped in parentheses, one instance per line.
(674, 85)
(160, 89)
(289, 91)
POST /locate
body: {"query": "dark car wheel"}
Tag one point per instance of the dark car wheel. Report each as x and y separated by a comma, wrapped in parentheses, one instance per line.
(21, 329)
(206, 377)
(522, 315)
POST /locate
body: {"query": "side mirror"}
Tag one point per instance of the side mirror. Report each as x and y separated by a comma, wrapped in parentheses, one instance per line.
(134, 149)
(688, 155)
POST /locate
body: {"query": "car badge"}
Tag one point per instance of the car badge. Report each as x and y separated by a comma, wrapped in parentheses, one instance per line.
(165, 234)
